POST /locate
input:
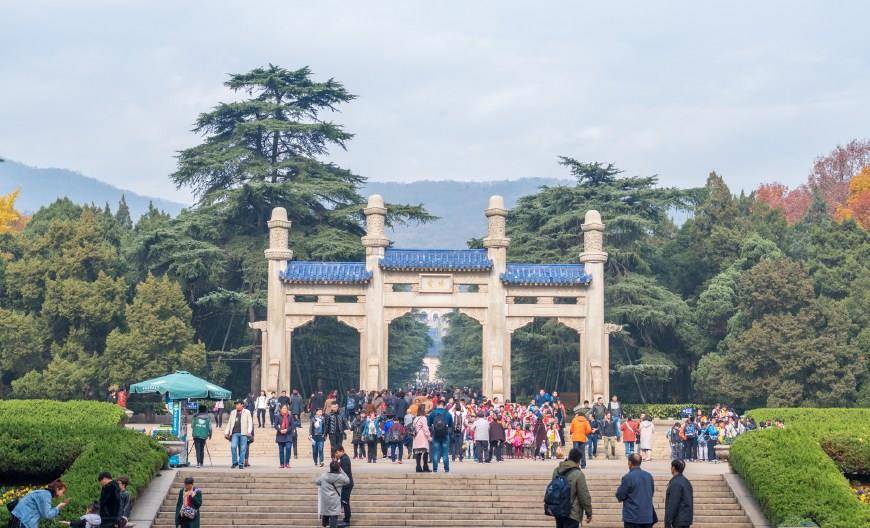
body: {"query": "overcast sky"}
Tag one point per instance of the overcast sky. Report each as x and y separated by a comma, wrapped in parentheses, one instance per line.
(448, 90)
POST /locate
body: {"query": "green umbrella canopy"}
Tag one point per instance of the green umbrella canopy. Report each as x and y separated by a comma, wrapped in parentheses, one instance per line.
(180, 386)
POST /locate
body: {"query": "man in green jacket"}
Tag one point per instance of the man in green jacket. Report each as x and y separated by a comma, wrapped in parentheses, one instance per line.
(581, 502)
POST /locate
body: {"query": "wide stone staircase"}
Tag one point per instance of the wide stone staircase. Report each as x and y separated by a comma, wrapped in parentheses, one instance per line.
(279, 499)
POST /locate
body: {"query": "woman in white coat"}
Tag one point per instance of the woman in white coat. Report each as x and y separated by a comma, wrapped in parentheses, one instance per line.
(647, 433)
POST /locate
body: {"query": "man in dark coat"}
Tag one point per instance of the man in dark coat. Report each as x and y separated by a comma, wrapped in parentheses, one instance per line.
(110, 500)
(334, 425)
(317, 402)
(401, 406)
(496, 438)
(635, 492)
(296, 403)
(344, 460)
(678, 498)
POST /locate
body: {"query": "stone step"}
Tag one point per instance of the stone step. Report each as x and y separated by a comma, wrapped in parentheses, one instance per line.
(397, 486)
(435, 508)
(262, 500)
(282, 477)
(517, 495)
(361, 518)
(543, 522)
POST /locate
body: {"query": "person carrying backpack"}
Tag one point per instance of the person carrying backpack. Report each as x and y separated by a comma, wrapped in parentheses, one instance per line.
(201, 429)
(567, 496)
(395, 436)
(691, 434)
(440, 425)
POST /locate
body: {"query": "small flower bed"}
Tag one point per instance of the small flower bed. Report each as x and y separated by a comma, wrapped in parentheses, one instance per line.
(10, 493)
(161, 435)
(862, 491)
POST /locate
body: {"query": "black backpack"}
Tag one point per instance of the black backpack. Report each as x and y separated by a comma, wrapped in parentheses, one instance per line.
(557, 498)
(439, 426)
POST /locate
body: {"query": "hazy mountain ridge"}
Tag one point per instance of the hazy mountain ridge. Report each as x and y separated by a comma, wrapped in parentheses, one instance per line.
(42, 186)
(459, 204)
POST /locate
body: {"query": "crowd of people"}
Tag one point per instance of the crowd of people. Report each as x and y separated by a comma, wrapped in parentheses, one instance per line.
(437, 425)
(695, 437)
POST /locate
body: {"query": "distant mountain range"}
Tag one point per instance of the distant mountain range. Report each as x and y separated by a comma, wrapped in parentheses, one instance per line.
(43, 186)
(459, 205)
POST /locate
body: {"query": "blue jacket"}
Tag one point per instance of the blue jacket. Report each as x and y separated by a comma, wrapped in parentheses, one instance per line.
(635, 492)
(448, 418)
(34, 506)
(540, 399)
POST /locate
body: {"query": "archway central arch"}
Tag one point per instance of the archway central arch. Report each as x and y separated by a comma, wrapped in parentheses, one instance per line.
(479, 283)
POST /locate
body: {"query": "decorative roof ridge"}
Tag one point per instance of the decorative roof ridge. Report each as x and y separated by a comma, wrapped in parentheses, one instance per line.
(538, 274)
(326, 272)
(545, 264)
(422, 250)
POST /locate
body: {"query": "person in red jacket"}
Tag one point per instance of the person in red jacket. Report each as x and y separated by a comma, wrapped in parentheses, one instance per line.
(629, 430)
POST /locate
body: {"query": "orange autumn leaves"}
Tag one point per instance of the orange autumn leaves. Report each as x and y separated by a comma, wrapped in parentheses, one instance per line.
(841, 179)
(857, 206)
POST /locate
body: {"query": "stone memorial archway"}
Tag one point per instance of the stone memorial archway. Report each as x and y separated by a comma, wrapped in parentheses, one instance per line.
(480, 283)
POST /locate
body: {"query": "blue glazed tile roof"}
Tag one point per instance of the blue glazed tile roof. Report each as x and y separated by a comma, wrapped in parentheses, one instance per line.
(545, 274)
(305, 272)
(436, 260)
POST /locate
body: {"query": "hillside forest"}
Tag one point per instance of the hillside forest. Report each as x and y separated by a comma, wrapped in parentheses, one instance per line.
(758, 299)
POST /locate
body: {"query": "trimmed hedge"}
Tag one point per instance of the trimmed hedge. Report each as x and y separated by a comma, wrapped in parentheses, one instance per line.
(789, 473)
(41, 440)
(659, 410)
(82, 414)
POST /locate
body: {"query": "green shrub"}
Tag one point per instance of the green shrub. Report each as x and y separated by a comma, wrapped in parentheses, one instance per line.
(660, 410)
(41, 440)
(851, 453)
(82, 414)
(790, 475)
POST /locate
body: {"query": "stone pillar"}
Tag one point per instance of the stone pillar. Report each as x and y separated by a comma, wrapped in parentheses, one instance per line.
(593, 336)
(496, 338)
(277, 255)
(585, 387)
(374, 376)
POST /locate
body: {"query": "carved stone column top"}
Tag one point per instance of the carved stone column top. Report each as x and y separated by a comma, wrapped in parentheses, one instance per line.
(279, 236)
(376, 219)
(593, 238)
(496, 215)
(279, 219)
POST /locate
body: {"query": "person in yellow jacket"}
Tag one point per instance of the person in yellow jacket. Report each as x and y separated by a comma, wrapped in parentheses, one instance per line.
(580, 429)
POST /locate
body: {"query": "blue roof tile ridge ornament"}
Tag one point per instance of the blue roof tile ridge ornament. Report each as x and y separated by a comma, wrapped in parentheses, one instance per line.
(313, 272)
(523, 274)
(435, 260)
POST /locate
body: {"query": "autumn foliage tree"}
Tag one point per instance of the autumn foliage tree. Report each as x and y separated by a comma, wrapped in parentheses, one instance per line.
(10, 218)
(857, 205)
(830, 179)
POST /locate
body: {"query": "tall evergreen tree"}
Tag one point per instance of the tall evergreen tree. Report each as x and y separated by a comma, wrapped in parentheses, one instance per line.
(264, 150)
(122, 215)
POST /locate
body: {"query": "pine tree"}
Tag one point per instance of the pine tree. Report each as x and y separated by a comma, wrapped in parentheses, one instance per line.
(122, 215)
